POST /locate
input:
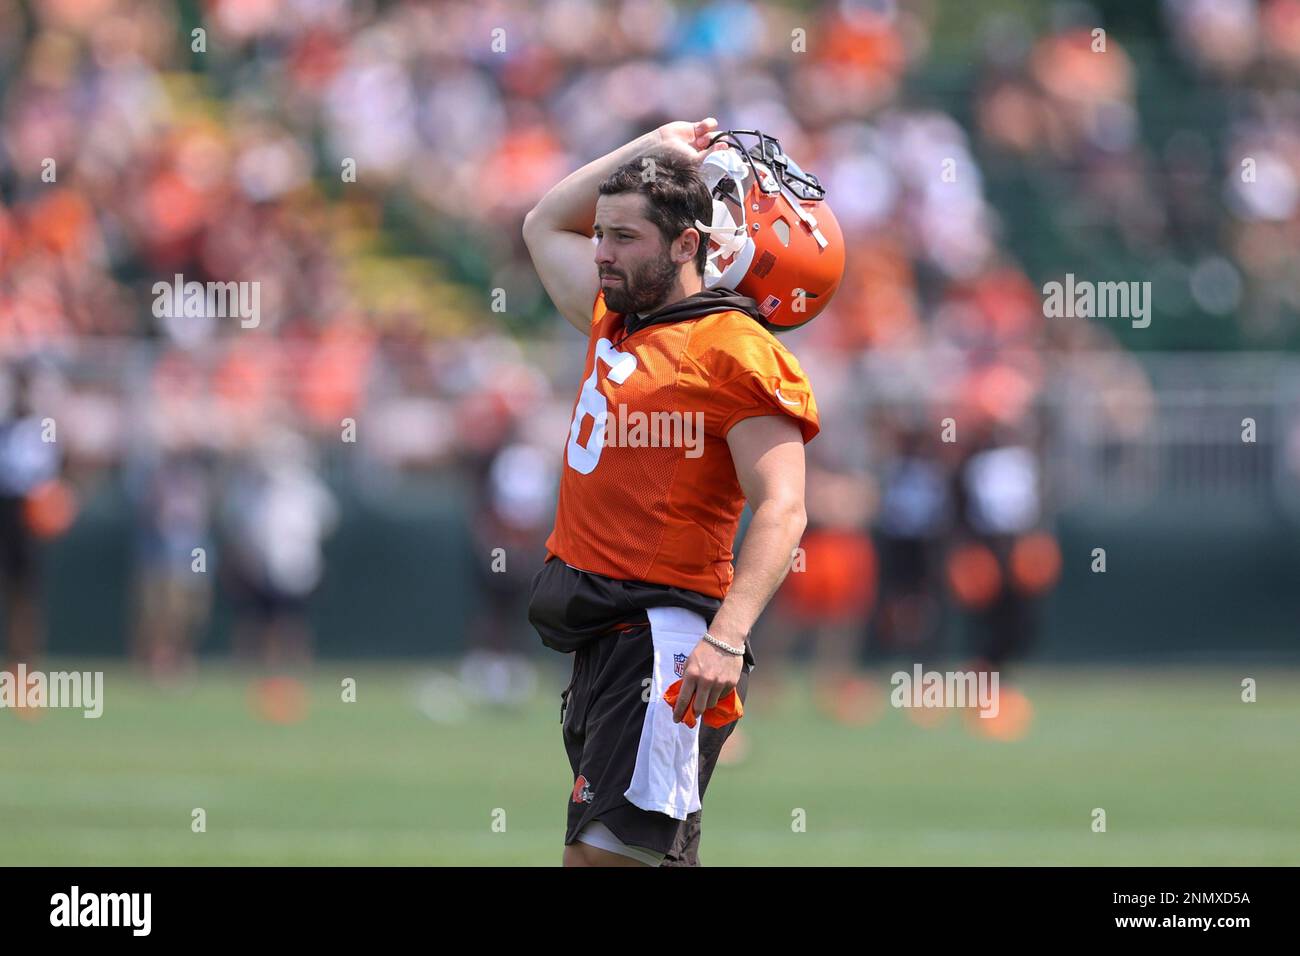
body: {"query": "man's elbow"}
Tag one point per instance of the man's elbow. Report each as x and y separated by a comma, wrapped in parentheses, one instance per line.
(798, 520)
(534, 224)
(789, 511)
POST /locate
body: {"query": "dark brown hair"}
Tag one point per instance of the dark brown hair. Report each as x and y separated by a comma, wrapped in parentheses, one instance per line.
(675, 195)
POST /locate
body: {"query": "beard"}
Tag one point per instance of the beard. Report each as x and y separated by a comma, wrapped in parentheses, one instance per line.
(646, 288)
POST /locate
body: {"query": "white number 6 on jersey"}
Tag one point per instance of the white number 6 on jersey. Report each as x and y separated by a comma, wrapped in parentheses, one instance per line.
(583, 458)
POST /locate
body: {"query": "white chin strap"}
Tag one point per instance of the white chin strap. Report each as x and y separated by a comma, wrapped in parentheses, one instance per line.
(730, 236)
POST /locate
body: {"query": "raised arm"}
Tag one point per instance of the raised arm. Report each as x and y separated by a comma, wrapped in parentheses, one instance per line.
(558, 229)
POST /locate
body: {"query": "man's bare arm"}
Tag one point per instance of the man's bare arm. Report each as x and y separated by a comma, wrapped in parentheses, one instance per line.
(768, 455)
(558, 229)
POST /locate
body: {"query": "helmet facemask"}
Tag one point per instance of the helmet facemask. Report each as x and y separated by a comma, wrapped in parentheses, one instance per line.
(724, 173)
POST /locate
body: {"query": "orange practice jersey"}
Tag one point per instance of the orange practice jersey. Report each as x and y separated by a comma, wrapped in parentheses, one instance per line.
(668, 514)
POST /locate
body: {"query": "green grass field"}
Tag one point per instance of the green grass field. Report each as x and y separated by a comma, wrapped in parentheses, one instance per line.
(1186, 772)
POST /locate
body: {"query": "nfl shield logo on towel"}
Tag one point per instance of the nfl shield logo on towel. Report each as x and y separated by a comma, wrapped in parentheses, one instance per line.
(679, 664)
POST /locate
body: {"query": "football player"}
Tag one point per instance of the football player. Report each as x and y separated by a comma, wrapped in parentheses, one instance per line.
(638, 582)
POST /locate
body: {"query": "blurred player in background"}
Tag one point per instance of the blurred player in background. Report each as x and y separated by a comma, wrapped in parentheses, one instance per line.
(275, 516)
(829, 598)
(34, 504)
(172, 601)
(513, 494)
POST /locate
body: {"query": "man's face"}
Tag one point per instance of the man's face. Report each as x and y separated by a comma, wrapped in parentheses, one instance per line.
(637, 272)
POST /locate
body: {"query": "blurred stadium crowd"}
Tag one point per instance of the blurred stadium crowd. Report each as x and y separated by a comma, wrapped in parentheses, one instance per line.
(971, 153)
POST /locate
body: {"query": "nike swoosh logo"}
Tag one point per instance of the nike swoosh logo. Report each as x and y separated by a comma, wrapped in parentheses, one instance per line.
(783, 399)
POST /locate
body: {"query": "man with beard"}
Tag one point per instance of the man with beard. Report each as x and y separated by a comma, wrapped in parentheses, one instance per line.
(638, 581)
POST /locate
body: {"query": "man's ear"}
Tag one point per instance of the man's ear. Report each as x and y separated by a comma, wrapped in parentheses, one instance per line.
(686, 245)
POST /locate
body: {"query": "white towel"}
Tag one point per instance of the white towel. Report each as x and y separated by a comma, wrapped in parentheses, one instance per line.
(666, 778)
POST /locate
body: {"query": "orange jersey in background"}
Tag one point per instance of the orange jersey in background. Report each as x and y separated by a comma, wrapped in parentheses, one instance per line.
(668, 515)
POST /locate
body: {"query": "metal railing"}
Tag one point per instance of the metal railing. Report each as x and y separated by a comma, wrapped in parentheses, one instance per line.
(1116, 430)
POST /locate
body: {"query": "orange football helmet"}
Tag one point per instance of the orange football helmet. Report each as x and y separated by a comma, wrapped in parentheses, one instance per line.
(773, 236)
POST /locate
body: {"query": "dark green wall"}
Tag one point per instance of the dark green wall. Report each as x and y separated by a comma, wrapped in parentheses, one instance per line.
(1183, 579)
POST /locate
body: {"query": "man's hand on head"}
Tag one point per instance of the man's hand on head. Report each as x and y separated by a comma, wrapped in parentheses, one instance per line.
(690, 139)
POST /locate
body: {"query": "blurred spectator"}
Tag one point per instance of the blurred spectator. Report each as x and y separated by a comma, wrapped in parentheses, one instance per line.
(275, 516)
(174, 594)
(35, 504)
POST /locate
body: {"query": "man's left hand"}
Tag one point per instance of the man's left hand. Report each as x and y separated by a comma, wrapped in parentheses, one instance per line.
(711, 673)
